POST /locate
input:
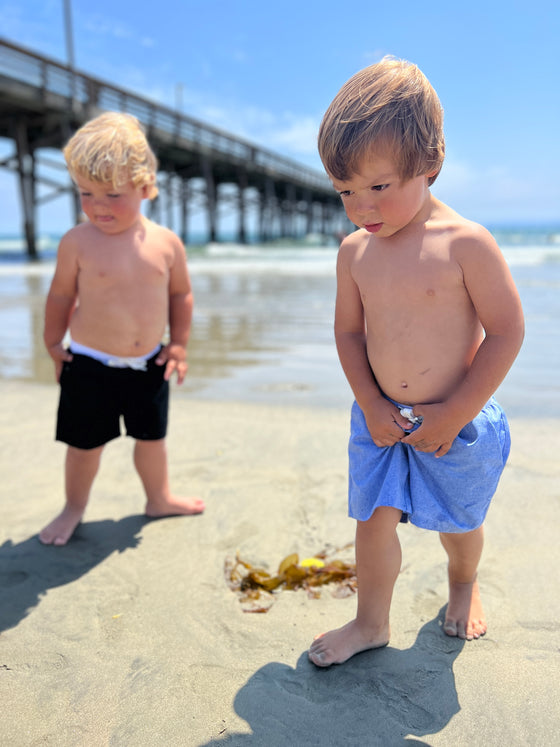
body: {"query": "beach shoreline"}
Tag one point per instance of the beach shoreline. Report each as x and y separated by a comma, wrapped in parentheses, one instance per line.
(131, 635)
(263, 326)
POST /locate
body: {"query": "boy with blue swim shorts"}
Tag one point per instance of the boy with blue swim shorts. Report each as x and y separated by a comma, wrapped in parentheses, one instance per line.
(427, 324)
(120, 283)
(448, 495)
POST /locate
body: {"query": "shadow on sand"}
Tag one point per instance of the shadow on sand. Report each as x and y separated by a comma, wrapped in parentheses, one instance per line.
(378, 698)
(29, 569)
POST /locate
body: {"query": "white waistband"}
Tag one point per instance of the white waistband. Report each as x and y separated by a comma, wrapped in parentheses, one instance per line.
(138, 363)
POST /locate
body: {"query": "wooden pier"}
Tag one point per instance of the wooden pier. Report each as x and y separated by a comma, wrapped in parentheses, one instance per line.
(43, 102)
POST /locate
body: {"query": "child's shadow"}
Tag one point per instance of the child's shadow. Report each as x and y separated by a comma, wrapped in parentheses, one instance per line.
(28, 569)
(377, 698)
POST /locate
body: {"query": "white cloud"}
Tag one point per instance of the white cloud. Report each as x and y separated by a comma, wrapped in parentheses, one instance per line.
(494, 193)
(108, 28)
(292, 135)
(239, 55)
(296, 134)
(370, 58)
(41, 29)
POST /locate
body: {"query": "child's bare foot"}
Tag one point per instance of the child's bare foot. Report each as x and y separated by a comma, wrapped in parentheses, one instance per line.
(59, 531)
(339, 645)
(465, 616)
(174, 507)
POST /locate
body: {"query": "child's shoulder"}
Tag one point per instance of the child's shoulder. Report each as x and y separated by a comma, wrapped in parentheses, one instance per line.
(80, 229)
(461, 232)
(352, 248)
(354, 241)
(159, 239)
(77, 236)
(162, 233)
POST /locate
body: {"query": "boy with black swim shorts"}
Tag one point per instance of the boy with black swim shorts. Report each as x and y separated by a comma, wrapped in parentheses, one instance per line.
(120, 281)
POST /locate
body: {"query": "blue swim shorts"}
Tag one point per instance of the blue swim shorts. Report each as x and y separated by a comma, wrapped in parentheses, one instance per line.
(449, 494)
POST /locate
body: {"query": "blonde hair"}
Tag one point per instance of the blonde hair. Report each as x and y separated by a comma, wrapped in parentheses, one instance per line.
(388, 108)
(113, 148)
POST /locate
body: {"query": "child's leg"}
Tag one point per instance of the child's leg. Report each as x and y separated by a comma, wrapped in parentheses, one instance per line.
(465, 616)
(150, 460)
(378, 562)
(80, 470)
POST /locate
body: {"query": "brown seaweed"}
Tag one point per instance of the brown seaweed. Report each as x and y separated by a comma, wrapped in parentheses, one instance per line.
(256, 587)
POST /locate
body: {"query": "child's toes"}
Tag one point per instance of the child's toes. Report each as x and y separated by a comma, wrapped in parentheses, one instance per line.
(450, 628)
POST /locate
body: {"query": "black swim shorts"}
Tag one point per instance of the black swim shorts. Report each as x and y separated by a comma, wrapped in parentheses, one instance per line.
(93, 397)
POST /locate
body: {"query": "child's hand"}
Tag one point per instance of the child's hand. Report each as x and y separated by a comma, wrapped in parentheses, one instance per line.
(60, 355)
(174, 357)
(437, 432)
(385, 423)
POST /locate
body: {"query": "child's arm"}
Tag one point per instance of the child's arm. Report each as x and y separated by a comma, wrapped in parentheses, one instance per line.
(174, 354)
(493, 293)
(382, 417)
(61, 301)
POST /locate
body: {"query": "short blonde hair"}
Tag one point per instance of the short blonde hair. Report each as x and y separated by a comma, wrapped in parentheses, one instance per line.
(386, 108)
(113, 148)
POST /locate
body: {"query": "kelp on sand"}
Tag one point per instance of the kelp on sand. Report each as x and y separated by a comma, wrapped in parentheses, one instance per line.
(256, 587)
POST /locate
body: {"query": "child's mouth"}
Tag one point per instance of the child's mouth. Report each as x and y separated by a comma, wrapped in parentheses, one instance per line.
(373, 227)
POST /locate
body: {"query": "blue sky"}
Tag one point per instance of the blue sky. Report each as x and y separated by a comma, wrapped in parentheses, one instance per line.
(267, 71)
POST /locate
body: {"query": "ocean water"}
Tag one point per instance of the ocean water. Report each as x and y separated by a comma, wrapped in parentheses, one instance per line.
(263, 322)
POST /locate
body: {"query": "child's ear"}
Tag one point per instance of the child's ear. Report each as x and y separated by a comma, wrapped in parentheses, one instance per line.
(431, 176)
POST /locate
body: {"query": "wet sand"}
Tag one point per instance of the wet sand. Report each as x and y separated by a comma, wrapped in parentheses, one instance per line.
(130, 636)
(263, 332)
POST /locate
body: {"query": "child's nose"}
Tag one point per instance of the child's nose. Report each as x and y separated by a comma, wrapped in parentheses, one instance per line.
(366, 202)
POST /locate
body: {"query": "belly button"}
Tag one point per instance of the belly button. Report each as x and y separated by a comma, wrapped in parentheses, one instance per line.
(404, 385)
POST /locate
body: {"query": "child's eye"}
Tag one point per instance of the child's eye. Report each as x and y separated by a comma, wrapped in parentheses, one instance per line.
(379, 187)
(114, 197)
(345, 193)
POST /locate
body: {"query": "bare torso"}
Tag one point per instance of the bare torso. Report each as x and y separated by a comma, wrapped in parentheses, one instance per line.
(123, 289)
(422, 328)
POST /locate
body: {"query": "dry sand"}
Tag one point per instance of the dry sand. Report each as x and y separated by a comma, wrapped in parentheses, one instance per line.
(130, 635)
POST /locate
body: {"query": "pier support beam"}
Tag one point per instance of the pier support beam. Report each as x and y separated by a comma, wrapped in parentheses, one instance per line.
(241, 207)
(26, 172)
(267, 212)
(211, 199)
(184, 210)
(169, 183)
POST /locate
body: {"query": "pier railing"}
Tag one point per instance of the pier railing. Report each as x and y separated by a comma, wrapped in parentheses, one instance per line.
(87, 94)
(43, 101)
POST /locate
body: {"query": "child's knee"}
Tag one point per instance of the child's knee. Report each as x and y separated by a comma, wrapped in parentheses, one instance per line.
(384, 518)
